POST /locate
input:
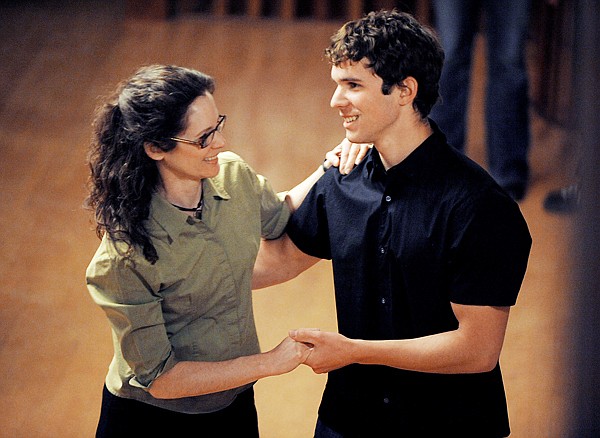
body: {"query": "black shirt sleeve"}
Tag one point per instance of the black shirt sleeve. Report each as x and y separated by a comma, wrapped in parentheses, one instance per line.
(308, 226)
(489, 251)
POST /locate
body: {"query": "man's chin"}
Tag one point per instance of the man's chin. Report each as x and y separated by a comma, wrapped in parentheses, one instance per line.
(353, 138)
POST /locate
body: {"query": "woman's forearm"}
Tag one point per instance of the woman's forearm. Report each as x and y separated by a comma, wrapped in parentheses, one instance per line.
(345, 155)
(296, 195)
(188, 378)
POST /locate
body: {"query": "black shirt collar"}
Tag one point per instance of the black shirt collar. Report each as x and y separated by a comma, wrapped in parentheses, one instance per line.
(423, 158)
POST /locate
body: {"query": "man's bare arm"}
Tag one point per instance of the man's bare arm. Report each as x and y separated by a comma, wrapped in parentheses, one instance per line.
(474, 347)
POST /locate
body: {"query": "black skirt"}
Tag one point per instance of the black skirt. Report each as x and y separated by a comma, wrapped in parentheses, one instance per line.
(121, 417)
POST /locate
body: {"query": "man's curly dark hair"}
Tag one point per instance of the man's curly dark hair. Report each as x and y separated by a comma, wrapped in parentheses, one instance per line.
(396, 46)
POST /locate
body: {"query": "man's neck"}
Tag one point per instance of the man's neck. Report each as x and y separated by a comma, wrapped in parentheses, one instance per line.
(395, 148)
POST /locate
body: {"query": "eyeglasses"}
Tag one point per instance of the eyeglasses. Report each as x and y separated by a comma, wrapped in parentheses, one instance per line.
(205, 139)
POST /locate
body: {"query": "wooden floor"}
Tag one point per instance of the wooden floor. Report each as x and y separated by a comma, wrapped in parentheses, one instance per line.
(272, 82)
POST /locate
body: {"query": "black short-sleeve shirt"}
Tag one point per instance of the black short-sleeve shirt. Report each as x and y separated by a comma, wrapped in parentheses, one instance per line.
(404, 244)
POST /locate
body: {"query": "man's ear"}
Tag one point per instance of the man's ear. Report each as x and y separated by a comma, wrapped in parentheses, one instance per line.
(408, 90)
(154, 151)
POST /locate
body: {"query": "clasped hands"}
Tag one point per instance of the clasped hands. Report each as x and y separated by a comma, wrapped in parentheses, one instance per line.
(328, 351)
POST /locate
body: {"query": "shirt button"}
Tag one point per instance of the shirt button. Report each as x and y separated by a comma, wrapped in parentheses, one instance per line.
(383, 301)
(388, 198)
(386, 400)
(382, 250)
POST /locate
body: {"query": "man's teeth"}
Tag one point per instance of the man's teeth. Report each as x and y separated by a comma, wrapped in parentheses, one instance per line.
(350, 119)
(211, 158)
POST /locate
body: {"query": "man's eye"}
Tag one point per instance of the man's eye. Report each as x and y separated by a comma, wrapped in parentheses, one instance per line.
(353, 85)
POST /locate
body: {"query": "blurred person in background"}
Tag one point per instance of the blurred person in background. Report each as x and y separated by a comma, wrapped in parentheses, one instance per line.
(506, 25)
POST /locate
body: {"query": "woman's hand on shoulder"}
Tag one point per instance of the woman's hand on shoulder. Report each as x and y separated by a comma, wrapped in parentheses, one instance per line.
(346, 155)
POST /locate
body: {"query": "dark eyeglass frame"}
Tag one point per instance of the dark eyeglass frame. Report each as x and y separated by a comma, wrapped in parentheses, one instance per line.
(205, 139)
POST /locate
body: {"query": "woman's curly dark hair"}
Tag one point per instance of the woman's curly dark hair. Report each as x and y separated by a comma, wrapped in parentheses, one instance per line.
(397, 46)
(150, 107)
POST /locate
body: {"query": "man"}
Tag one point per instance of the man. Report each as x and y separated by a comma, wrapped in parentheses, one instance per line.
(428, 253)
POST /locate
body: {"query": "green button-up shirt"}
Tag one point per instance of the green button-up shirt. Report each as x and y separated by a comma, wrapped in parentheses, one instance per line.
(194, 303)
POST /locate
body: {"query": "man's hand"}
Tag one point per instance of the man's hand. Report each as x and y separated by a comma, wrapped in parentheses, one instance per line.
(474, 347)
(347, 155)
(287, 356)
(330, 351)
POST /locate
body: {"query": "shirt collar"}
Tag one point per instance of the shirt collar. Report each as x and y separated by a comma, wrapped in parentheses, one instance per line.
(213, 188)
(423, 158)
(166, 217)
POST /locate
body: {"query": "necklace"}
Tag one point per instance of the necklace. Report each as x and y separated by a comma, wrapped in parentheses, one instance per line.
(197, 210)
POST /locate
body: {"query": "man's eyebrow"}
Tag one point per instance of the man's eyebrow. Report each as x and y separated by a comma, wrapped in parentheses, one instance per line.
(347, 79)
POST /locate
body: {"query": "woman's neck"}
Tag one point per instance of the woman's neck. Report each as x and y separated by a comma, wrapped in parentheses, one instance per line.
(182, 194)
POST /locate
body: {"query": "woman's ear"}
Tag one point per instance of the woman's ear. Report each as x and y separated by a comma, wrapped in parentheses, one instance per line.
(154, 151)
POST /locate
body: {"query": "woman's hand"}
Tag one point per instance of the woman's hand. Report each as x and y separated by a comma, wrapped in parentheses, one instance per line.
(287, 356)
(190, 378)
(346, 155)
(330, 350)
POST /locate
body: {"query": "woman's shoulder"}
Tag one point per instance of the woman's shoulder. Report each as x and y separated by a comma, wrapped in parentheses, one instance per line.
(116, 254)
(233, 167)
(228, 157)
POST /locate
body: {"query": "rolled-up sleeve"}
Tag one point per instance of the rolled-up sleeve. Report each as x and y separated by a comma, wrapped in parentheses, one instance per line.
(126, 292)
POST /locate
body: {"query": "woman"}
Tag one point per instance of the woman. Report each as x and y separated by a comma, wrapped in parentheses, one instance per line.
(181, 223)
